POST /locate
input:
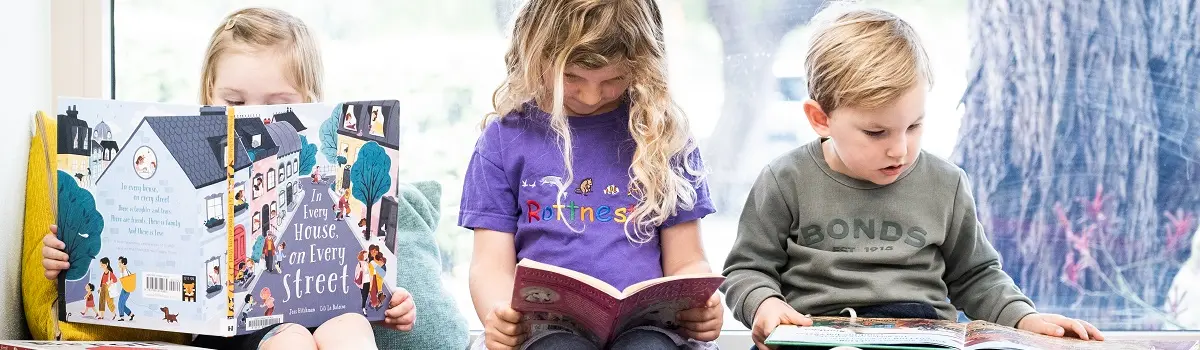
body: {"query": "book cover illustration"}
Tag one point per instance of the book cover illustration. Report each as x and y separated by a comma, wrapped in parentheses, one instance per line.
(557, 299)
(170, 228)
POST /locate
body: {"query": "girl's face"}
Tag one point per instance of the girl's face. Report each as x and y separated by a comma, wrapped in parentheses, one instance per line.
(250, 76)
(593, 91)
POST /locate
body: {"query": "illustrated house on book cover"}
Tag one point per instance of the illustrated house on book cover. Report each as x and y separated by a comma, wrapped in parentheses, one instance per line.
(176, 235)
(363, 123)
(74, 146)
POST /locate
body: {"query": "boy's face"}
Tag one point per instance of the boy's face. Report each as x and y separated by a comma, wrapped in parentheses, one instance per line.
(245, 76)
(592, 91)
(872, 145)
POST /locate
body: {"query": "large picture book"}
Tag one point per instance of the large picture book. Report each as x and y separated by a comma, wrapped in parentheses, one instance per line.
(885, 333)
(553, 298)
(225, 220)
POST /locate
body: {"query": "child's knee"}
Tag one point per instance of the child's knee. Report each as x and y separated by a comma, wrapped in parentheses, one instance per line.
(288, 336)
(348, 328)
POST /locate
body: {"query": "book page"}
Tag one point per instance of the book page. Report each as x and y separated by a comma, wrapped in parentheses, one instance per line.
(868, 331)
(985, 335)
(550, 301)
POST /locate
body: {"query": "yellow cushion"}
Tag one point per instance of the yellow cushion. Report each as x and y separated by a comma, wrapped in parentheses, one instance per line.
(39, 293)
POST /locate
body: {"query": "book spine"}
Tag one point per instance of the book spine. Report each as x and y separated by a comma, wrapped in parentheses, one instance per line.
(230, 138)
(58, 309)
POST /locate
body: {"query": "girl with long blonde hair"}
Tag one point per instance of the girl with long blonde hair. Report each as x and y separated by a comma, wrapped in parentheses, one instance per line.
(587, 164)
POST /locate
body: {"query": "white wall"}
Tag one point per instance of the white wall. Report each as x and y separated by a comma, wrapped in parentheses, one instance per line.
(24, 87)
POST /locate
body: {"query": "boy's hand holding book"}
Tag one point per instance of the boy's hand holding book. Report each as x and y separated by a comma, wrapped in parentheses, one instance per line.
(1058, 325)
(502, 328)
(772, 313)
(704, 323)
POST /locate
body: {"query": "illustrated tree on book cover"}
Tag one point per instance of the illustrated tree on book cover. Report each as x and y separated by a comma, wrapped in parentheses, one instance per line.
(79, 225)
(308, 156)
(329, 136)
(370, 178)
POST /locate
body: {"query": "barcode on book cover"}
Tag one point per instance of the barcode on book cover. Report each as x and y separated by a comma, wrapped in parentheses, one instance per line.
(162, 286)
(257, 323)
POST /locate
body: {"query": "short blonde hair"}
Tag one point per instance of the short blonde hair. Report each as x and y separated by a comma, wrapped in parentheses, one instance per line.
(863, 58)
(267, 28)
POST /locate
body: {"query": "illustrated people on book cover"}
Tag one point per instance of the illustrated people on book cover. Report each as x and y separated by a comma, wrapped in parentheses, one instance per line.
(348, 120)
(247, 306)
(376, 121)
(376, 269)
(107, 280)
(269, 252)
(268, 301)
(123, 309)
(364, 284)
(214, 276)
(278, 263)
(89, 302)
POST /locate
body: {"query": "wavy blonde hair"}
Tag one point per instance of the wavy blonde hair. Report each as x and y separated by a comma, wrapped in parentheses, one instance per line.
(549, 35)
(863, 57)
(263, 28)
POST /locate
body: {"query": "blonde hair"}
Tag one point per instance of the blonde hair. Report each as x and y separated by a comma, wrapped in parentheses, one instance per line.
(549, 35)
(266, 28)
(863, 58)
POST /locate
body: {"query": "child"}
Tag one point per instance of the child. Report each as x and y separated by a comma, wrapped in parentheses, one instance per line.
(265, 56)
(268, 301)
(585, 101)
(862, 218)
(89, 303)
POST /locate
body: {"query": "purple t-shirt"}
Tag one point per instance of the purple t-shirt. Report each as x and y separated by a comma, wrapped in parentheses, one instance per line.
(514, 177)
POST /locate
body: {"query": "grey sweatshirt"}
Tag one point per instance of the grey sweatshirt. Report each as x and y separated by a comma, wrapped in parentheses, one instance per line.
(823, 241)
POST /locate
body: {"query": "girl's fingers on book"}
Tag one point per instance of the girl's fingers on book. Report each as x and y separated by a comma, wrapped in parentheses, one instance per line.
(400, 309)
(507, 314)
(51, 274)
(50, 240)
(54, 229)
(698, 315)
(53, 254)
(399, 296)
(704, 336)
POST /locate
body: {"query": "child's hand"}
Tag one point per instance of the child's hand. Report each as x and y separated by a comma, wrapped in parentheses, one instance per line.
(704, 323)
(401, 314)
(772, 313)
(1058, 325)
(54, 259)
(502, 329)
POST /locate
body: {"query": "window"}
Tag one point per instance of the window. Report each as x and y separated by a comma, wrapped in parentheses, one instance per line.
(259, 185)
(215, 210)
(255, 141)
(448, 90)
(271, 179)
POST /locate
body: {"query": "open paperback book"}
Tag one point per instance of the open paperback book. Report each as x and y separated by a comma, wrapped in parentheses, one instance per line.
(89, 345)
(224, 220)
(552, 298)
(883, 333)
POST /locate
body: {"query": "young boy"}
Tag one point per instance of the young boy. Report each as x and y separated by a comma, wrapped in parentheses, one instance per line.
(862, 218)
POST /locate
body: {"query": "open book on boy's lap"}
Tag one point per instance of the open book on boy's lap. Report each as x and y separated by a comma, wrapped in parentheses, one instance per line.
(881, 333)
(552, 298)
(225, 220)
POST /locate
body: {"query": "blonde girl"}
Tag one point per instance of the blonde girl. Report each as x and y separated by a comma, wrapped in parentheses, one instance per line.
(262, 56)
(588, 164)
